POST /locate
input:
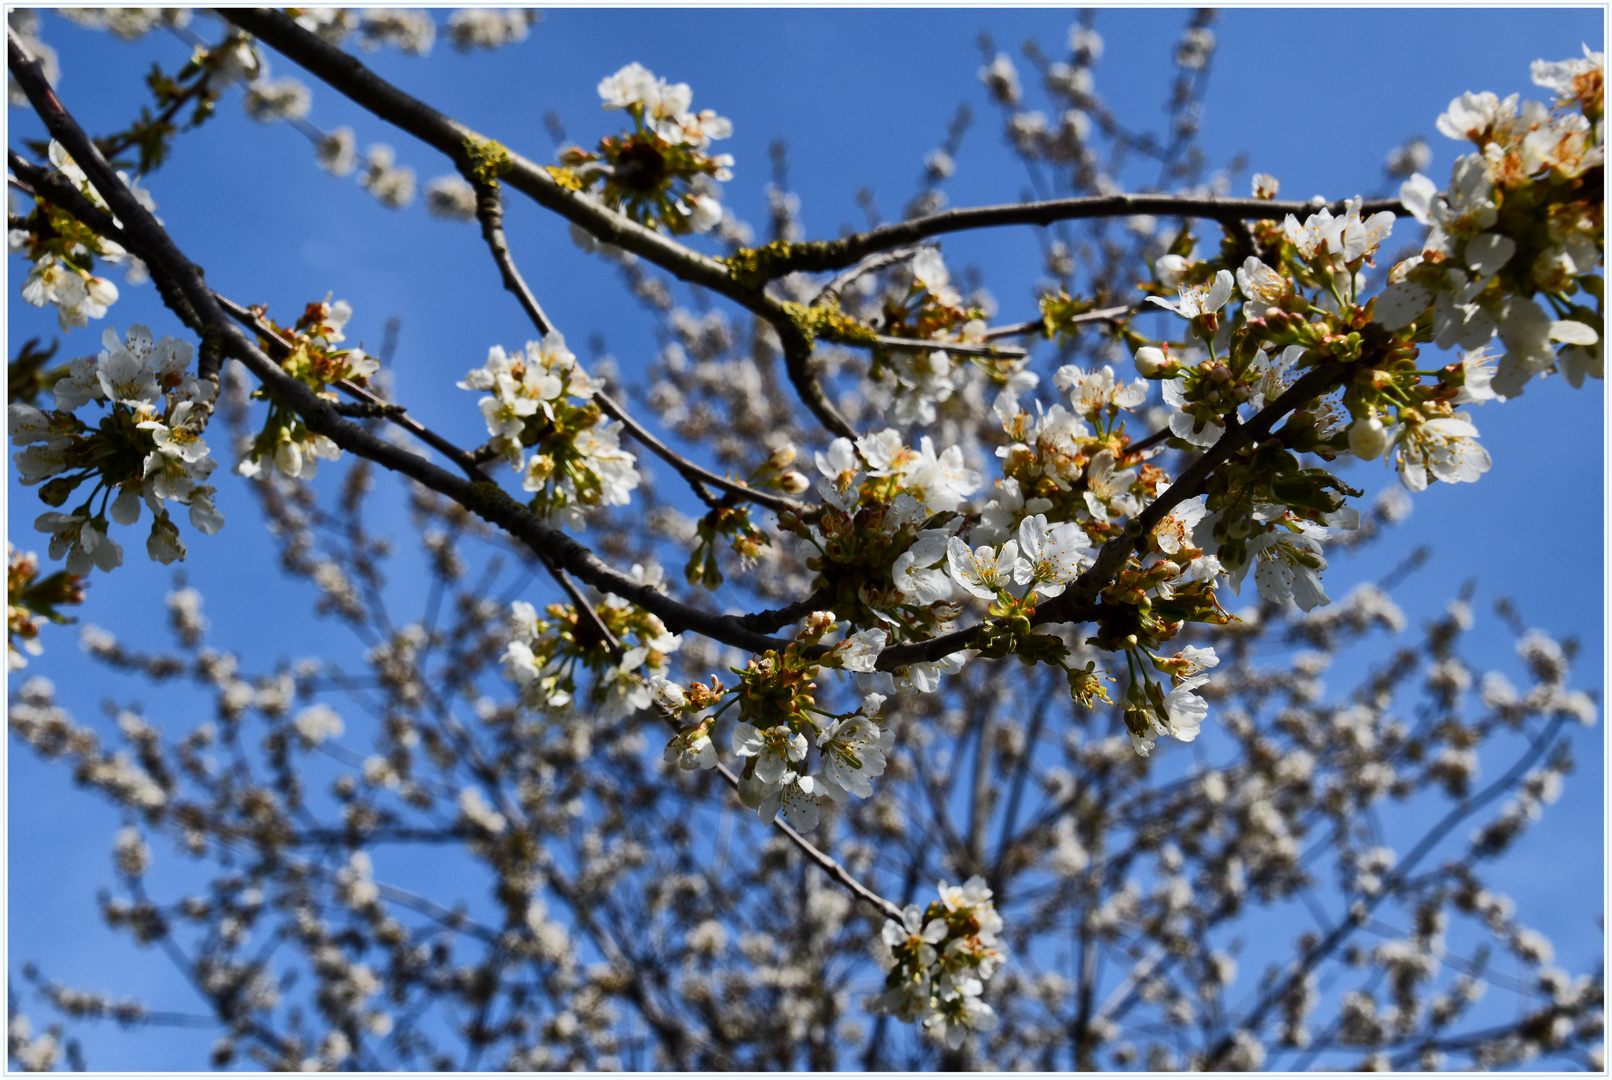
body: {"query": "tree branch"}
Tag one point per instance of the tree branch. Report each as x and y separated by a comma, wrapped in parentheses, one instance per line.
(821, 256)
(1039, 326)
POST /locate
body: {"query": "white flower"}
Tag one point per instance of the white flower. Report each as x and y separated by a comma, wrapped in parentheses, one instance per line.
(853, 751)
(666, 694)
(632, 85)
(99, 294)
(1287, 566)
(1197, 659)
(1343, 239)
(915, 575)
(774, 749)
(268, 100)
(1184, 710)
(1174, 532)
(82, 542)
(163, 545)
(1002, 513)
(1204, 299)
(1171, 270)
(203, 517)
(983, 571)
(80, 386)
(969, 894)
(1002, 79)
(125, 380)
(796, 796)
(337, 153)
(842, 475)
(1269, 375)
(691, 748)
(393, 186)
(940, 481)
(1090, 392)
(1572, 80)
(1108, 489)
(925, 677)
(1052, 557)
(912, 929)
(478, 813)
(1444, 448)
(1182, 423)
(1262, 287)
(860, 651)
(1477, 367)
(884, 452)
(929, 270)
(1474, 116)
(1054, 440)
(450, 198)
(707, 213)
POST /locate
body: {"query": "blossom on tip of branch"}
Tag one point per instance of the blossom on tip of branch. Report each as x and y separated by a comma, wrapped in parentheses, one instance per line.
(937, 959)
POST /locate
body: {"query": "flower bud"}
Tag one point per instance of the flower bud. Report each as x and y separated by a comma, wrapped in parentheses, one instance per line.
(1171, 270)
(1151, 361)
(793, 483)
(1368, 438)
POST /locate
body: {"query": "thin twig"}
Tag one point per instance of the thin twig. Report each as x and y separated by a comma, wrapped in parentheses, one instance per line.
(957, 348)
(871, 264)
(1039, 326)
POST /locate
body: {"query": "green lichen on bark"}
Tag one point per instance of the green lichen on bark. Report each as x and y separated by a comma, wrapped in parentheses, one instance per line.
(828, 322)
(488, 158)
(752, 268)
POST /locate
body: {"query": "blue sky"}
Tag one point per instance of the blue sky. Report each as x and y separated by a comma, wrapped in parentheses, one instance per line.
(1316, 97)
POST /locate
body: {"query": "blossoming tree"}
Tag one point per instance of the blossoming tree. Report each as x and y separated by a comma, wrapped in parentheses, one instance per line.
(987, 594)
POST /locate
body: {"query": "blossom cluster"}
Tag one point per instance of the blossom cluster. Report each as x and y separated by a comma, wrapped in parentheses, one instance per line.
(659, 174)
(541, 398)
(1521, 218)
(313, 361)
(931, 309)
(30, 598)
(548, 654)
(147, 448)
(780, 720)
(936, 961)
(63, 250)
